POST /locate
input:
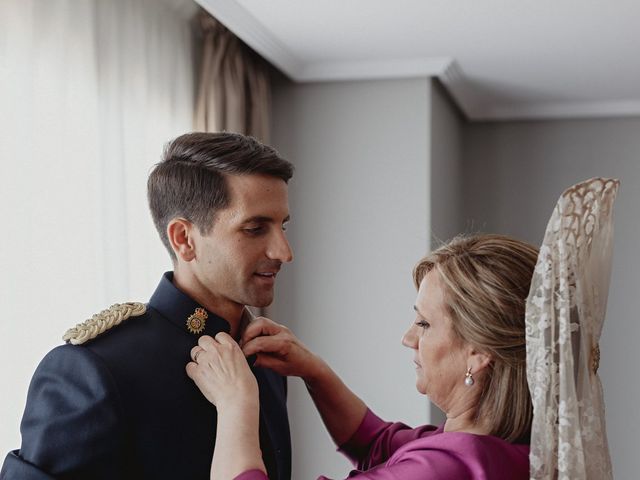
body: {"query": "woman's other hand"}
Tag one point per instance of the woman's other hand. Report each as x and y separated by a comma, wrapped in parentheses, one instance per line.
(222, 374)
(280, 350)
(220, 370)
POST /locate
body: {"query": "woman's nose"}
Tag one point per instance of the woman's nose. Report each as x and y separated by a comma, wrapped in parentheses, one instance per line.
(409, 339)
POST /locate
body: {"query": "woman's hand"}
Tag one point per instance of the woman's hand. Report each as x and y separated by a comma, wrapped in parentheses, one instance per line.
(221, 372)
(279, 349)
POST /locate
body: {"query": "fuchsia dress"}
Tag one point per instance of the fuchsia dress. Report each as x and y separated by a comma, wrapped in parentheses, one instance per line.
(393, 451)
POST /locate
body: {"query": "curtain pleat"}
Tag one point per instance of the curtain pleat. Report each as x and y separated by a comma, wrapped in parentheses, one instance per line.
(234, 91)
(90, 91)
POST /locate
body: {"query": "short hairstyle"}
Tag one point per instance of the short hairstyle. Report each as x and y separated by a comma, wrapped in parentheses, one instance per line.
(190, 180)
(486, 280)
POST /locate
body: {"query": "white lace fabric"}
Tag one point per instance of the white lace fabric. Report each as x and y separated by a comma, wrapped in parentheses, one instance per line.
(564, 317)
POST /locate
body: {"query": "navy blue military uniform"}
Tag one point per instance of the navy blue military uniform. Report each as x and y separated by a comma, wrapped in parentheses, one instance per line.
(122, 406)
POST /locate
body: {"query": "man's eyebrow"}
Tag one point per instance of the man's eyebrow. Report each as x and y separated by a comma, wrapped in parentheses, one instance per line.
(263, 219)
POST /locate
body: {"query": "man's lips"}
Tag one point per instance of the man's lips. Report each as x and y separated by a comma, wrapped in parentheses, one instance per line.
(269, 270)
(266, 274)
(267, 278)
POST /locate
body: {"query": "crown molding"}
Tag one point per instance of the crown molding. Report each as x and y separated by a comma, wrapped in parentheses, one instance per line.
(252, 32)
(448, 71)
(373, 69)
(560, 110)
(461, 90)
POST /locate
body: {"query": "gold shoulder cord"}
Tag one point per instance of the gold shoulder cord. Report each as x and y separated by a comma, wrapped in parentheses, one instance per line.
(103, 321)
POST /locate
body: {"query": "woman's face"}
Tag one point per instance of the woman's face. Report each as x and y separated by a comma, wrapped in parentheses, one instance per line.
(440, 356)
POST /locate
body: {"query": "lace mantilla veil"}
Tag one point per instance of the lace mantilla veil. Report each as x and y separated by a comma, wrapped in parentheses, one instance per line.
(564, 316)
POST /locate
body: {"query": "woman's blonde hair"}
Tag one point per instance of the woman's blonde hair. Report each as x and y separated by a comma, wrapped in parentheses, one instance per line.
(486, 280)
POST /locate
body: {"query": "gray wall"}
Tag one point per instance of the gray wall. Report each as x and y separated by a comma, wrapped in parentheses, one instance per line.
(514, 172)
(382, 167)
(447, 220)
(360, 211)
(447, 129)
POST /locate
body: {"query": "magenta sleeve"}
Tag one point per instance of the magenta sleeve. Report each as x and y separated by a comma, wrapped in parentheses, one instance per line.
(252, 475)
(389, 451)
(375, 440)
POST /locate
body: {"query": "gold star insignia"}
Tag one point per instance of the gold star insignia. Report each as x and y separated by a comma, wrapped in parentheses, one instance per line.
(197, 321)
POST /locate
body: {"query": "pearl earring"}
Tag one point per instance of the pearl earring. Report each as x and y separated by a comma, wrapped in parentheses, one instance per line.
(468, 378)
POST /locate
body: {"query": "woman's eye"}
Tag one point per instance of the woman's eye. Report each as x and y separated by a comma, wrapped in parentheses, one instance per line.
(423, 324)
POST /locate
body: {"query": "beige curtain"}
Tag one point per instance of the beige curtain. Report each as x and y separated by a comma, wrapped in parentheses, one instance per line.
(234, 86)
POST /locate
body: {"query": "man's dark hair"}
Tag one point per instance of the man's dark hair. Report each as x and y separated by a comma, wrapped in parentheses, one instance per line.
(189, 181)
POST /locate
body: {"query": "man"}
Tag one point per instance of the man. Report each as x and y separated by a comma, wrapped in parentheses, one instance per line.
(115, 402)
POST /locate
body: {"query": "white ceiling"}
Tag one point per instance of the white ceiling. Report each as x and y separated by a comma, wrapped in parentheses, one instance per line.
(500, 59)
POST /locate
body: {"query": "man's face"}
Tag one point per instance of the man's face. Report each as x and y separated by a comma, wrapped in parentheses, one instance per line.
(238, 260)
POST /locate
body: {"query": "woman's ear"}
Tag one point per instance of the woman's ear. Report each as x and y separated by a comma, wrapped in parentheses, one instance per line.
(478, 360)
(181, 235)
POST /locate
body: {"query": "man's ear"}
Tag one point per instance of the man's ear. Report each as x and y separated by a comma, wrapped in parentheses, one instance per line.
(181, 235)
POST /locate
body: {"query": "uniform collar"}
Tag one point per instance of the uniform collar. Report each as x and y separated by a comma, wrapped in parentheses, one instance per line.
(176, 306)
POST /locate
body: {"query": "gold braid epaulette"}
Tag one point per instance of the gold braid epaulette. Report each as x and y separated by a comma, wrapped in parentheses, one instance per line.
(103, 321)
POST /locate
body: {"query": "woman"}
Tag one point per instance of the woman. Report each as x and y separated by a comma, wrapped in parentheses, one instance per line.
(469, 343)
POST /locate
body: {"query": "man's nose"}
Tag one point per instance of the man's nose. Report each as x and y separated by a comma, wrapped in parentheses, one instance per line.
(279, 248)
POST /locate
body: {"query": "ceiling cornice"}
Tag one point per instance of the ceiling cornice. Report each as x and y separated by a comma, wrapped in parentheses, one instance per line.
(463, 95)
(372, 69)
(254, 34)
(447, 70)
(560, 110)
